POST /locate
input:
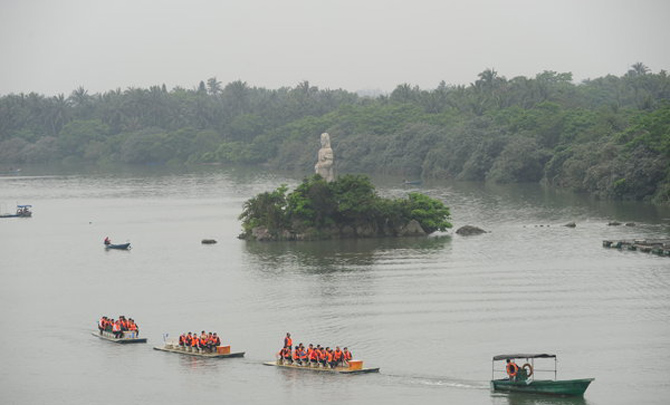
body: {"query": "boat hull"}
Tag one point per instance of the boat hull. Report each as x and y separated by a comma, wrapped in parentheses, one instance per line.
(110, 337)
(198, 354)
(122, 246)
(550, 387)
(337, 370)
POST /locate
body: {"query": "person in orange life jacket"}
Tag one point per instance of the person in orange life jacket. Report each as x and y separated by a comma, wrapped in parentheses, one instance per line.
(311, 355)
(101, 324)
(132, 326)
(331, 361)
(182, 339)
(285, 355)
(288, 342)
(323, 356)
(338, 356)
(203, 340)
(300, 355)
(188, 340)
(195, 341)
(116, 329)
(512, 369)
(216, 342)
(346, 356)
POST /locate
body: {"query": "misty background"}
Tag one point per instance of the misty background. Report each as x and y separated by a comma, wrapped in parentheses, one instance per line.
(373, 45)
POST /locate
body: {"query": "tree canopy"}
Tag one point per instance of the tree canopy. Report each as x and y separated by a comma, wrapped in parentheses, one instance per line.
(607, 136)
(347, 206)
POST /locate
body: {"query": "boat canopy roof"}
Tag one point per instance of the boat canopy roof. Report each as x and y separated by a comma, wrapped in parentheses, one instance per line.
(24, 206)
(524, 356)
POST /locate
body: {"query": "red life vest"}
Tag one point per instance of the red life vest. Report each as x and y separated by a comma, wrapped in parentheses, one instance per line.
(288, 342)
(347, 355)
(337, 355)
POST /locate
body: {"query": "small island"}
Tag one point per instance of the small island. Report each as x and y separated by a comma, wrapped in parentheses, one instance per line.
(346, 207)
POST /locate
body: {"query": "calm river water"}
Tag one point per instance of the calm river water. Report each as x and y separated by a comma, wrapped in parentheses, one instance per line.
(431, 312)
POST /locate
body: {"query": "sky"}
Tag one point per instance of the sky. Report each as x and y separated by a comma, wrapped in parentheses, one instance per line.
(55, 46)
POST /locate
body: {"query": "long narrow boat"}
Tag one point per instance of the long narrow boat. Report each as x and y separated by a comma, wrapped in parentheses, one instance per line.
(120, 246)
(128, 337)
(355, 367)
(524, 380)
(221, 352)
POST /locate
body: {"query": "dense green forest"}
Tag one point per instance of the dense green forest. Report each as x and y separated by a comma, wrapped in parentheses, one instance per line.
(344, 208)
(608, 136)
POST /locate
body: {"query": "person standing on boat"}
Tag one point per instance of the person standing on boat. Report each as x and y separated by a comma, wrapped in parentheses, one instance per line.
(288, 342)
(512, 369)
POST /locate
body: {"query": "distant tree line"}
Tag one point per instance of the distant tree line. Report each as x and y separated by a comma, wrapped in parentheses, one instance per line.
(608, 136)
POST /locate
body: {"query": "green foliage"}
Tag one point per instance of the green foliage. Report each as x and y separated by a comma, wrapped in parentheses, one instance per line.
(348, 202)
(524, 129)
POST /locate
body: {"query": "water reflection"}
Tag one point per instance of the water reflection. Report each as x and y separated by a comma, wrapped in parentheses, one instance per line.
(322, 257)
(532, 399)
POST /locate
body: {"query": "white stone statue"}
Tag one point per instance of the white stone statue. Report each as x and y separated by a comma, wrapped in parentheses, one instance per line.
(324, 164)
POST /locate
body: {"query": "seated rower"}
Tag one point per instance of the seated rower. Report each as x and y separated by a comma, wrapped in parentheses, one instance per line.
(346, 356)
(107, 240)
(182, 339)
(300, 355)
(331, 362)
(323, 357)
(338, 356)
(132, 327)
(216, 342)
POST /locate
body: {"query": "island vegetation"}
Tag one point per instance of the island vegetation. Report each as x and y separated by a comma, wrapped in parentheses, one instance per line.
(608, 136)
(347, 207)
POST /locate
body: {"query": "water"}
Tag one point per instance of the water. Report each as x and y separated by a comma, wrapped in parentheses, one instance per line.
(431, 312)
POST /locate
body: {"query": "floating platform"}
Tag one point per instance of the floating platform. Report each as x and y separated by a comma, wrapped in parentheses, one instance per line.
(222, 351)
(659, 247)
(128, 337)
(356, 367)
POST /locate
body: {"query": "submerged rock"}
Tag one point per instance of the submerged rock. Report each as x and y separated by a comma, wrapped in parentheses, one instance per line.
(614, 223)
(208, 241)
(571, 225)
(468, 230)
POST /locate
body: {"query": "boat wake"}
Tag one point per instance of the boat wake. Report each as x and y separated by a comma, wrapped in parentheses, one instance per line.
(437, 382)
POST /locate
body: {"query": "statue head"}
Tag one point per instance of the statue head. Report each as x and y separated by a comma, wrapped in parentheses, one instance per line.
(325, 140)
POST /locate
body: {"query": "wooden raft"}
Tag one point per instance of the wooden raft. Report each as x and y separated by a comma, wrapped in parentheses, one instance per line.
(356, 367)
(125, 339)
(222, 351)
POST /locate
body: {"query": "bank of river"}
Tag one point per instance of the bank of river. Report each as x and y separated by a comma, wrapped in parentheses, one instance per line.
(431, 312)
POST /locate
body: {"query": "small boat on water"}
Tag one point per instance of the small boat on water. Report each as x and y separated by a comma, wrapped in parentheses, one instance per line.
(524, 380)
(221, 351)
(120, 246)
(22, 211)
(128, 337)
(354, 367)
(412, 182)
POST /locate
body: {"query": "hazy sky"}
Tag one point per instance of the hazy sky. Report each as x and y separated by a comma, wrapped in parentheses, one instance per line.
(55, 46)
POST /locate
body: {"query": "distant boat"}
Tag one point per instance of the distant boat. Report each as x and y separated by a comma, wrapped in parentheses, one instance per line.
(412, 182)
(524, 380)
(221, 351)
(120, 246)
(128, 337)
(22, 211)
(354, 367)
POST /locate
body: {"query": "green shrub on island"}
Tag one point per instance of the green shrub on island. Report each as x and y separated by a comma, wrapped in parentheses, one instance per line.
(348, 207)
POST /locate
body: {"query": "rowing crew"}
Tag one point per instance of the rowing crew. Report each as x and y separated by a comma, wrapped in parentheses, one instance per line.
(315, 356)
(206, 341)
(117, 327)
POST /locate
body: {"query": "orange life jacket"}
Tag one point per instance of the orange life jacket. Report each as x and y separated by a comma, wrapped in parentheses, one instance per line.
(288, 342)
(217, 341)
(195, 342)
(337, 355)
(330, 356)
(512, 369)
(347, 355)
(116, 327)
(311, 354)
(132, 326)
